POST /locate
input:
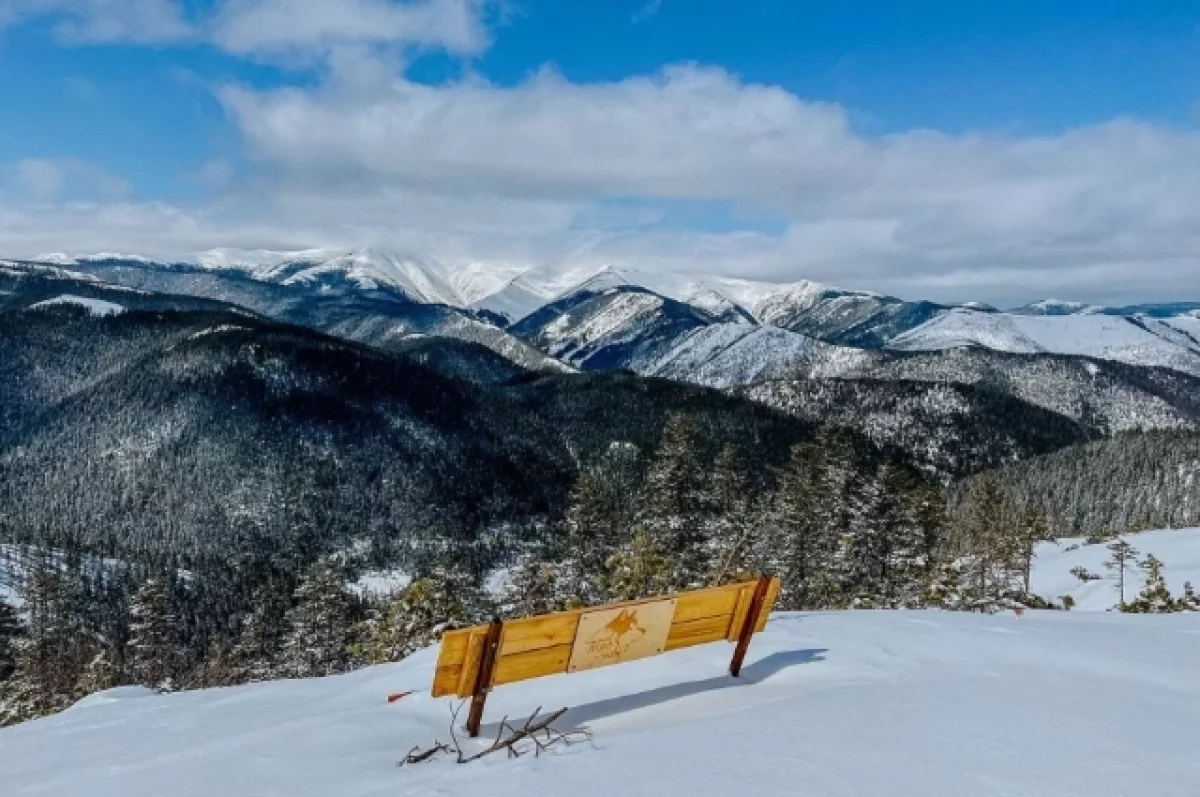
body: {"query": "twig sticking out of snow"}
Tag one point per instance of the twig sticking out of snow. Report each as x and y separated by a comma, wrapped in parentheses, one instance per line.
(541, 732)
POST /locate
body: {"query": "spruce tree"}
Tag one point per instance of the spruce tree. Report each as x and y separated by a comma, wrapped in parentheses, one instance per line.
(992, 545)
(800, 550)
(154, 644)
(672, 504)
(1155, 597)
(104, 671)
(1122, 556)
(257, 653)
(53, 655)
(733, 525)
(533, 588)
(589, 538)
(1034, 529)
(1190, 602)
(640, 570)
(320, 623)
(417, 616)
(10, 629)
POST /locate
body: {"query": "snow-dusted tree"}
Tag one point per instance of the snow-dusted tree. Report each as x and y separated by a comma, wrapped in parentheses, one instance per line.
(1034, 529)
(1155, 597)
(837, 481)
(154, 644)
(1190, 601)
(533, 588)
(640, 570)
(256, 654)
(320, 623)
(53, 655)
(589, 538)
(10, 629)
(799, 549)
(929, 516)
(104, 671)
(991, 546)
(733, 523)
(416, 616)
(1122, 557)
(670, 516)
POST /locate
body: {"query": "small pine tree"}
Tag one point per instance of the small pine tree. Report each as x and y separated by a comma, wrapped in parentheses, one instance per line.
(1190, 602)
(104, 671)
(673, 502)
(732, 525)
(1122, 557)
(320, 623)
(801, 549)
(257, 653)
(1155, 597)
(154, 643)
(418, 615)
(589, 536)
(533, 588)
(639, 570)
(1034, 528)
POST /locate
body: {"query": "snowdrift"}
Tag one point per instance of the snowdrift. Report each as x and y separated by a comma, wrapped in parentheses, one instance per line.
(1179, 550)
(862, 704)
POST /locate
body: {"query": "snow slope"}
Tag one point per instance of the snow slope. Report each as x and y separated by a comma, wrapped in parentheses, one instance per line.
(1130, 340)
(865, 704)
(1179, 550)
(97, 307)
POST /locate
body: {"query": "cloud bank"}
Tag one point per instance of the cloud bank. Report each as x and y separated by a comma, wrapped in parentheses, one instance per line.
(475, 172)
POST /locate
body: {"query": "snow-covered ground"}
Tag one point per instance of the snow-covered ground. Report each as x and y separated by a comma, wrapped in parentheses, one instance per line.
(1179, 550)
(856, 704)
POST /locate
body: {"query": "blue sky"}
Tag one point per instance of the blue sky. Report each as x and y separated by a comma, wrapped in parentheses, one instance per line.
(919, 147)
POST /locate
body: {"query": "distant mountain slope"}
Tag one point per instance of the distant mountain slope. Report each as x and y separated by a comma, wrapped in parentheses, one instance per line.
(376, 317)
(728, 354)
(949, 429)
(1101, 394)
(208, 433)
(604, 327)
(1132, 340)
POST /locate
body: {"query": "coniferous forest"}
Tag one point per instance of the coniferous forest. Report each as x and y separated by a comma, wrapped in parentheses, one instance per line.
(193, 497)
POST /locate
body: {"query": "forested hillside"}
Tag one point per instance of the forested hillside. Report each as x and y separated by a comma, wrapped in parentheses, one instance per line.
(1128, 483)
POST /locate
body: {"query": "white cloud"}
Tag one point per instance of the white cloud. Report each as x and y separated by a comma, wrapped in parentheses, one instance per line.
(648, 10)
(911, 212)
(287, 26)
(48, 180)
(147, 21)
(538, 172)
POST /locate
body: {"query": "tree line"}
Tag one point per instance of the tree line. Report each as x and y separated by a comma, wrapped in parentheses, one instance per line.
(842, 524)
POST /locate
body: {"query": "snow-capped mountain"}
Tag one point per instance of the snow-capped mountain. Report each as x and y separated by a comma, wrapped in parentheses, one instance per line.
(1055, 307)
(620, 317)
(1168, 343)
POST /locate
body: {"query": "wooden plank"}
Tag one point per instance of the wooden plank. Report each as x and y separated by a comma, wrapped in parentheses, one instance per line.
(535, 633)
(469, 672)
(484, 678)
(712, 602)
(532, 664)
(450, 659)
(740, 609)
(768, 604)
(697, 632)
